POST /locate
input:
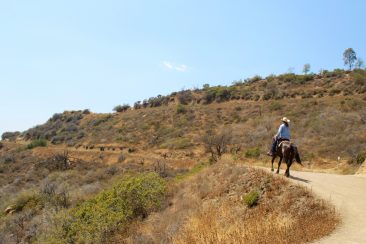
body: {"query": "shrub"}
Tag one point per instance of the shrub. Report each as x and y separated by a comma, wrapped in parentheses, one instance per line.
(137, 105)
(334, 91)
(63, 125)
(58, 139)
(11, 136)
(86, 111)
(360, 158)
(253, 152)
(222, 94)
(97, 122)
(359, 77)
(131, 150)
(1, 145)
(93, 220)
(60, 161)
(121, 108)
(111, 170)
(255, 78)
(251, 199)
(121, 158)
(55, 195)
(289, 77)
(270, 92)
(27, 200)
(9, 159)
(37, 143)
(185, 97)
(156, 101)
(56, 117)
(181, 109)
(209, 96)
(274, 106)
(216, 143)
(70, 128)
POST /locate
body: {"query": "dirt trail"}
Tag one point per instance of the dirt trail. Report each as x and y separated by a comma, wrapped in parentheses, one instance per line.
(348, 194)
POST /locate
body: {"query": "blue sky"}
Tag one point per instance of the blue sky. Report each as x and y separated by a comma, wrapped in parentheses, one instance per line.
(70, 55)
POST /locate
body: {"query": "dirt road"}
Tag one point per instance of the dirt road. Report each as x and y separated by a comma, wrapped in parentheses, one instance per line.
(348, 194)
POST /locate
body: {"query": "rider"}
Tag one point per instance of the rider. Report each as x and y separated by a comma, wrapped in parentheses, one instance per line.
(283, 134)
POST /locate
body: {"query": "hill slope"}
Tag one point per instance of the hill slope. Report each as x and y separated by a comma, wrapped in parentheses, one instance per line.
(328, 116)
(69, 164)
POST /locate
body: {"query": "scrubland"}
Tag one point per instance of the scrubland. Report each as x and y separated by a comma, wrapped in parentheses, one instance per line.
(75, 177)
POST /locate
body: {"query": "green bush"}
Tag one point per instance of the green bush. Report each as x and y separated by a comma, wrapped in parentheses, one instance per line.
(27, 200)
(37, 143)
(253, 152)
(251, 199)
(93, 220)
(181, 109)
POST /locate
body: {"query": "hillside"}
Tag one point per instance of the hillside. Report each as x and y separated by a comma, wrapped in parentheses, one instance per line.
(327, 110)
(56, 173)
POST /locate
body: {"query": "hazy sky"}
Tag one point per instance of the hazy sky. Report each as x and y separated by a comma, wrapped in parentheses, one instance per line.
(70, 55)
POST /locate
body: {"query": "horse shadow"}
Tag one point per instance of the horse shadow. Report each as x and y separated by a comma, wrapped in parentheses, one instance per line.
(299, 179)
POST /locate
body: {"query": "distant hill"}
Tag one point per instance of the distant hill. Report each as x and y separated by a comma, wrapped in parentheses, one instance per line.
(328, 113)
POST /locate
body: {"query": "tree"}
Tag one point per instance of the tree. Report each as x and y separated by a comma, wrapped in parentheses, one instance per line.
(359, 64)
(306, 69)
(137, 105)
(216, 143)
(349, 58)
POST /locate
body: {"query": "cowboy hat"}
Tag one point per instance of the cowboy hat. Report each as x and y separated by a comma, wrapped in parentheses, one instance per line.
(285, 119)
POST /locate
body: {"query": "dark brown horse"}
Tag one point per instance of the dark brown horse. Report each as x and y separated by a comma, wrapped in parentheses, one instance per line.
(288, 152)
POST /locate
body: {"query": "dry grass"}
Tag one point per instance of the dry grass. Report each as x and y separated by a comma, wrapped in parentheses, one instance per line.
(162, 134)
(253, 124)
(208, 208)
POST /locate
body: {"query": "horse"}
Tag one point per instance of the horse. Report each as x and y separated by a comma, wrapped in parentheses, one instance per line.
(288, 151)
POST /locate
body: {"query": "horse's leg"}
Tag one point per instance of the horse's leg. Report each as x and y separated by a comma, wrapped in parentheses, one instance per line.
(273, 158)
(279, 165)
(287, 173)
(289, 160)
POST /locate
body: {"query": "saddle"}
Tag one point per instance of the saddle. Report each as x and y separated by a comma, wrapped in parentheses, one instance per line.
(280, 141)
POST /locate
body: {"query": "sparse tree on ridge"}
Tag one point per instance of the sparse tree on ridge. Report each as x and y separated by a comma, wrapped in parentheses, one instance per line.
(359, 63)
(121, 108)
(306, 69)
(349, 58)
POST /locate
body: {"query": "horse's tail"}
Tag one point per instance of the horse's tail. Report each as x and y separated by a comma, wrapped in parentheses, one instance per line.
(296, 153)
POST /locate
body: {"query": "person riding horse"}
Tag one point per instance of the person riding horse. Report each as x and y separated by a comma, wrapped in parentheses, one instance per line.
(283, 134)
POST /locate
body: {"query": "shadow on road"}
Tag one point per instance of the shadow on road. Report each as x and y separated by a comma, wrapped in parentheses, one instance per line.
(299, 179)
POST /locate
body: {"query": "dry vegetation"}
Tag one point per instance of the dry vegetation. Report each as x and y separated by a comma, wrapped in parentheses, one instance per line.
(328, 111)
(175, 136)
(210, 208)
